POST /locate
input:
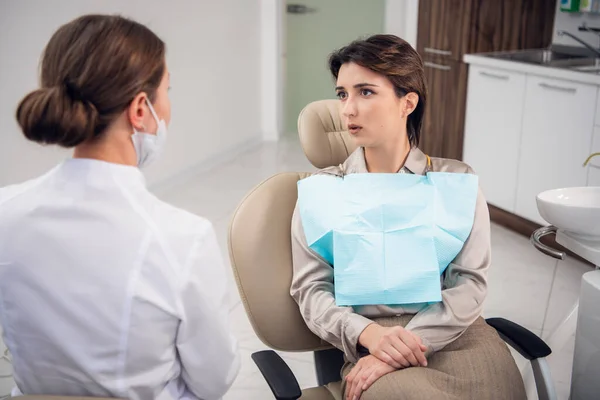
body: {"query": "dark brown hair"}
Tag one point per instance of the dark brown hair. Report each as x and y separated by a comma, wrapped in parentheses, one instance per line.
(91, 70)
(398, 61)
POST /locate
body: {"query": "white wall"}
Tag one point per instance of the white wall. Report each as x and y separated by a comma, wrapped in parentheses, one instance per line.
(213, 53)
(570, 22)
(271, 74)
(401, 19)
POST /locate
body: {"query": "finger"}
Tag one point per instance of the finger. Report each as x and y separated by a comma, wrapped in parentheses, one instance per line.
(352, 395)
(350, 380)
(392, 351)
(416, 353)
(404, 352)
(358, 388)
(354, 371)
(420, 342)
(372, 378)
(386, 358)
(408, 354)
(416, 337)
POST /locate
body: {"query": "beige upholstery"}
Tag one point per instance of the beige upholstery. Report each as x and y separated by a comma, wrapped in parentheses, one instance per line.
(333, 391)
(260, 242)
(261, 258)
(324, 137)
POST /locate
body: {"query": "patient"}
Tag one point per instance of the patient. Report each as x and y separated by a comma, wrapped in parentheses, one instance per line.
(433, 350)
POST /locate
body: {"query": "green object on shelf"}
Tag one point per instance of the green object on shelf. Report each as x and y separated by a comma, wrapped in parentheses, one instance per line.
(570, 5)
(585, 5)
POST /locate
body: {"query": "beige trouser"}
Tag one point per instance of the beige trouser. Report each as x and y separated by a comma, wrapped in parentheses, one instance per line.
(477, 365)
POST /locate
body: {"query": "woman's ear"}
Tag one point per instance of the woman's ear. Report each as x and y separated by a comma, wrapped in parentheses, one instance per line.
(137, 111)
(411, 101)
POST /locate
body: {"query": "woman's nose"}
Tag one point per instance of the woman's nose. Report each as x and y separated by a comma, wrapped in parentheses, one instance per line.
(349, 108)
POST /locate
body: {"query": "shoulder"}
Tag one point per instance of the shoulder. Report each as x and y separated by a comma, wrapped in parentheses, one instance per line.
(333, 171)
(451, 165)
(178, 231)
(456, 166)
(176, 222)
(11, 192)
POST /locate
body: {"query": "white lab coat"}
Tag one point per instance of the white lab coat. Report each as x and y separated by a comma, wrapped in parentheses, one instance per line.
(107, 291)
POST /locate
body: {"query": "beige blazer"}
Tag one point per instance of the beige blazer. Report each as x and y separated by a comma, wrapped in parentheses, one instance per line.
(464, 283)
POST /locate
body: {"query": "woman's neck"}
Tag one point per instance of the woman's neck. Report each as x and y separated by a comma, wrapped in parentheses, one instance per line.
(389, 158)
(113, 147)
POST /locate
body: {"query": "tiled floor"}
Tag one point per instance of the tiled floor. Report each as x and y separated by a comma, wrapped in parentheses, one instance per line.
(519, 281)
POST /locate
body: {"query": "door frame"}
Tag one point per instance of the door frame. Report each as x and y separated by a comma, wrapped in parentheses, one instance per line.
(401, 17)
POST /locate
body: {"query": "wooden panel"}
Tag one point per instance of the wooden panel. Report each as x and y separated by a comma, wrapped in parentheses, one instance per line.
(432, 133)
(475, 26)
(443, 125)
(443, 28)
(455, 105)
(510, 25)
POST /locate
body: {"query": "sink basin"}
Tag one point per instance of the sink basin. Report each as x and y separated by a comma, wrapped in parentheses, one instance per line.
(539, 56)
(591, 65)
(575, 210)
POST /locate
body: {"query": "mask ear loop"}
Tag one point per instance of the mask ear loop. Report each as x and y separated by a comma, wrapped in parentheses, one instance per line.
(153, 112)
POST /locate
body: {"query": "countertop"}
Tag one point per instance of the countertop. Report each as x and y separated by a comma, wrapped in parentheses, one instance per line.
(498, 60)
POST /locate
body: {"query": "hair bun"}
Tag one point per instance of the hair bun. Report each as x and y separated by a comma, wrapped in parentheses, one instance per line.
(52, 115)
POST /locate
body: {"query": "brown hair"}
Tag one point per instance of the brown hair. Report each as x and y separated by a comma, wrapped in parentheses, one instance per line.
(91, 70)
(398, 61)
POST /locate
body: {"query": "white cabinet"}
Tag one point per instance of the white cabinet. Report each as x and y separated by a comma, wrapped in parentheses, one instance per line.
(558, 120)
(493, 131)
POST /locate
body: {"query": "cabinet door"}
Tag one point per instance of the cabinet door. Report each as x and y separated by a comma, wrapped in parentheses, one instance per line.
(493, 132)
(558, 120)
(443, 28)
(510, 25)
(443, 124)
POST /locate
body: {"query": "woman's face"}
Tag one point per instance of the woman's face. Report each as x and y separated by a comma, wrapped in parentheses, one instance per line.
(370, 107)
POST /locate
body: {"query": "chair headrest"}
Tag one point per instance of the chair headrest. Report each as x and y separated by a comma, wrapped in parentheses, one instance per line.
(323, 134)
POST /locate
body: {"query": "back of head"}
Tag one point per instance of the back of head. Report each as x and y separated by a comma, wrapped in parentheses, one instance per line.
(91, 70)
(394, 58)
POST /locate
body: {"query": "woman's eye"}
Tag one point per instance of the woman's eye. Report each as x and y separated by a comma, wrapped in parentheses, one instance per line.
(366, 92)
(341, 95)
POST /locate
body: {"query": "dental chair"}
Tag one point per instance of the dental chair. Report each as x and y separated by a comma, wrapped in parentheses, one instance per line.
(261, 258)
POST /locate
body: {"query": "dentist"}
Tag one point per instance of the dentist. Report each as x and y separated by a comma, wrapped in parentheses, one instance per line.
(105, 290)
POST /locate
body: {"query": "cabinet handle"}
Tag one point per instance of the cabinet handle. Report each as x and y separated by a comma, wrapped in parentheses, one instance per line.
(496, 76)
(437, 51)
(437, 66)
(559, 88)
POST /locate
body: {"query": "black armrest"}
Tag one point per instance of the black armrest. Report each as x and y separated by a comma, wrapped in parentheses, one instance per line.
(527, 343)
(278, 375)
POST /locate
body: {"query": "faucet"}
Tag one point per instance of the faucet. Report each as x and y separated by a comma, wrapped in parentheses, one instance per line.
(590, 157)
(589, 46)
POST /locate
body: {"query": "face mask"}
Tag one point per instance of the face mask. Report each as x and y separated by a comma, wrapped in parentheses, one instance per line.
(149, 147)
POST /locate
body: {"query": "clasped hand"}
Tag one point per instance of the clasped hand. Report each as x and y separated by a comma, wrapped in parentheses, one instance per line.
(390, 349)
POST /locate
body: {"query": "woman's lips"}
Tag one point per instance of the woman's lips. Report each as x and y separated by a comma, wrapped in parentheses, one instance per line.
(354, 129)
